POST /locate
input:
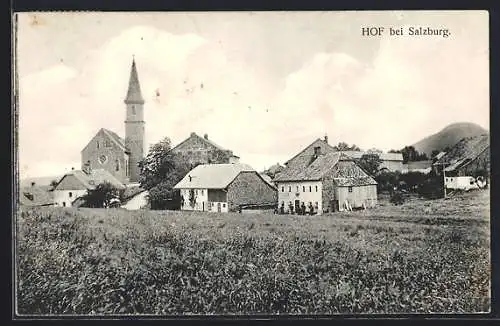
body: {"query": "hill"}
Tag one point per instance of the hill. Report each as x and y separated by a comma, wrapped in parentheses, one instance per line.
(449, 136)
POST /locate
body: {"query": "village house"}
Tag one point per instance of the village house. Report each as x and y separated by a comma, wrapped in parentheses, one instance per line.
(75, 184)
(202, 150)
(418, 166)
(108, 151)
(389, 161)
(324, 182)
(467, 164)
(224, 188)
(35, 196)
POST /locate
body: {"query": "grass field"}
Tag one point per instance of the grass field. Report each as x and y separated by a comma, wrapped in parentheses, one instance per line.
(421, 257)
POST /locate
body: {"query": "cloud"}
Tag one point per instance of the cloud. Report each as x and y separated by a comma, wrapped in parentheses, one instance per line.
(413, 87)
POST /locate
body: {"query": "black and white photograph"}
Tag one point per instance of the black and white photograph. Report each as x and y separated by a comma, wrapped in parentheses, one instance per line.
(241, 163)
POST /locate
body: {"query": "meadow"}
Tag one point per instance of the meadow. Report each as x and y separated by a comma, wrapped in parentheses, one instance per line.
(426, 256)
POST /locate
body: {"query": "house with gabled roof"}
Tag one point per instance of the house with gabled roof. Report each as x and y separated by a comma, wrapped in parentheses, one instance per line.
(35, 196)
(75, 184)
(324, 182)
(224, 188)
(466, 160)
(389, 161)
(202, 150)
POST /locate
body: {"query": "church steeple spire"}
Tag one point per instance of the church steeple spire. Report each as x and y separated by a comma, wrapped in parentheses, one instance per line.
(134, 95)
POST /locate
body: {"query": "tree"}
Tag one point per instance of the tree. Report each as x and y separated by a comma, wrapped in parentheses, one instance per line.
(101, 196)
(53, 183)
(342, 146)
(370, 163)
(434, 153)
(161, 170)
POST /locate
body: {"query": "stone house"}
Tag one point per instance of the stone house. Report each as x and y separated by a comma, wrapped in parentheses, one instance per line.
(202, 150)
(75, 184)
(326, 182)
(389, 161)
(224, 188)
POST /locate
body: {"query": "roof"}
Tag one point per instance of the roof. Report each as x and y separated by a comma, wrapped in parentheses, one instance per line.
(132, 190)
(275, 168)
(465, 151)
(382, 156)
(35, 196)
(267, 179)
(344, 169)
(206, 140)
(212, 176)
(134, 94)
(318, 141)
(418, 165)
(96, 177)
(114, 137)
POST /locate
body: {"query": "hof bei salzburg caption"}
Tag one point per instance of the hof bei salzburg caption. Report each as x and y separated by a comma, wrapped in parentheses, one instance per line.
(417, 31)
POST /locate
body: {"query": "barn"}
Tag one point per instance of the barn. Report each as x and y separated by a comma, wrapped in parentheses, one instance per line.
(325, 183)
(224, 188)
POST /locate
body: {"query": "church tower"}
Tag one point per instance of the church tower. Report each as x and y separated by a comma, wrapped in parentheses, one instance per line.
(134, 124)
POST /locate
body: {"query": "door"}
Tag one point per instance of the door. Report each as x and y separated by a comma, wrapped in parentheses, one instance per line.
(297, 206)
(218, 207)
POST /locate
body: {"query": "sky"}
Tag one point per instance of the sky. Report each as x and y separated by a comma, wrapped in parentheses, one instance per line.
(263, 84)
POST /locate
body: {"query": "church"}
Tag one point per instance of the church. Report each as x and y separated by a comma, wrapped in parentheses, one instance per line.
(118, 156)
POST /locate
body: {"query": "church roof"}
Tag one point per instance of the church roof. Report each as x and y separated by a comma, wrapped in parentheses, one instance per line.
(134, 94)
(114, 137)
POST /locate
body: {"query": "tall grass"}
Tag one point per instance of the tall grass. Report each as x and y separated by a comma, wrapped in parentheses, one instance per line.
(114, 262)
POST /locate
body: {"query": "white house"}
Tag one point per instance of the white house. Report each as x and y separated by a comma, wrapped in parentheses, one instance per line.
(76, 183)
(224, 188)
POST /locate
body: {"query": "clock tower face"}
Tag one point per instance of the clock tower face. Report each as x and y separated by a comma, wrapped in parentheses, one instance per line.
(103, 159)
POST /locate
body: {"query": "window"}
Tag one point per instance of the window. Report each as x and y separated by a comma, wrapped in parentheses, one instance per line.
(224, 205)
(117, 165)
(97, 144)
(316, 188)
(202, 192)
(317, 150)
(289, 188)
(316, 205)
(297, 188)
(282, 189)
(303, 188)
(126, 167)
(70, 194)
(310, 189)
(64, 204)
(350, 189)
(133, 109)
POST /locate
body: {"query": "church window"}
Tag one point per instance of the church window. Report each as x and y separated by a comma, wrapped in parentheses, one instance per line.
(97, 144)
(126, 167)
(103, 159)
(117, 165)
(133, 109)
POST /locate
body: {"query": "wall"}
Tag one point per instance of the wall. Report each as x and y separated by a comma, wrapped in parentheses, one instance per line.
(392, 165)
(92, 153)
(461, 182)
(360, 195)
(288, 196)
(201, 200)
(199, 151)
(63, 196)
(249, 188)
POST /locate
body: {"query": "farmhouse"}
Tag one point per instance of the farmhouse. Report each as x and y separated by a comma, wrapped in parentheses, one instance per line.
(389, 161)
(35, 196)
(325, 183)
(466, 161)
(224, 188)
(202, 150)
(418, 166)
(75, 184)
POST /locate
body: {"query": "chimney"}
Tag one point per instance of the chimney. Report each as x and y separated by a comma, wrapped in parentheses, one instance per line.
(205, 136)
(72, 168)
(193, 134)
(326, 139)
